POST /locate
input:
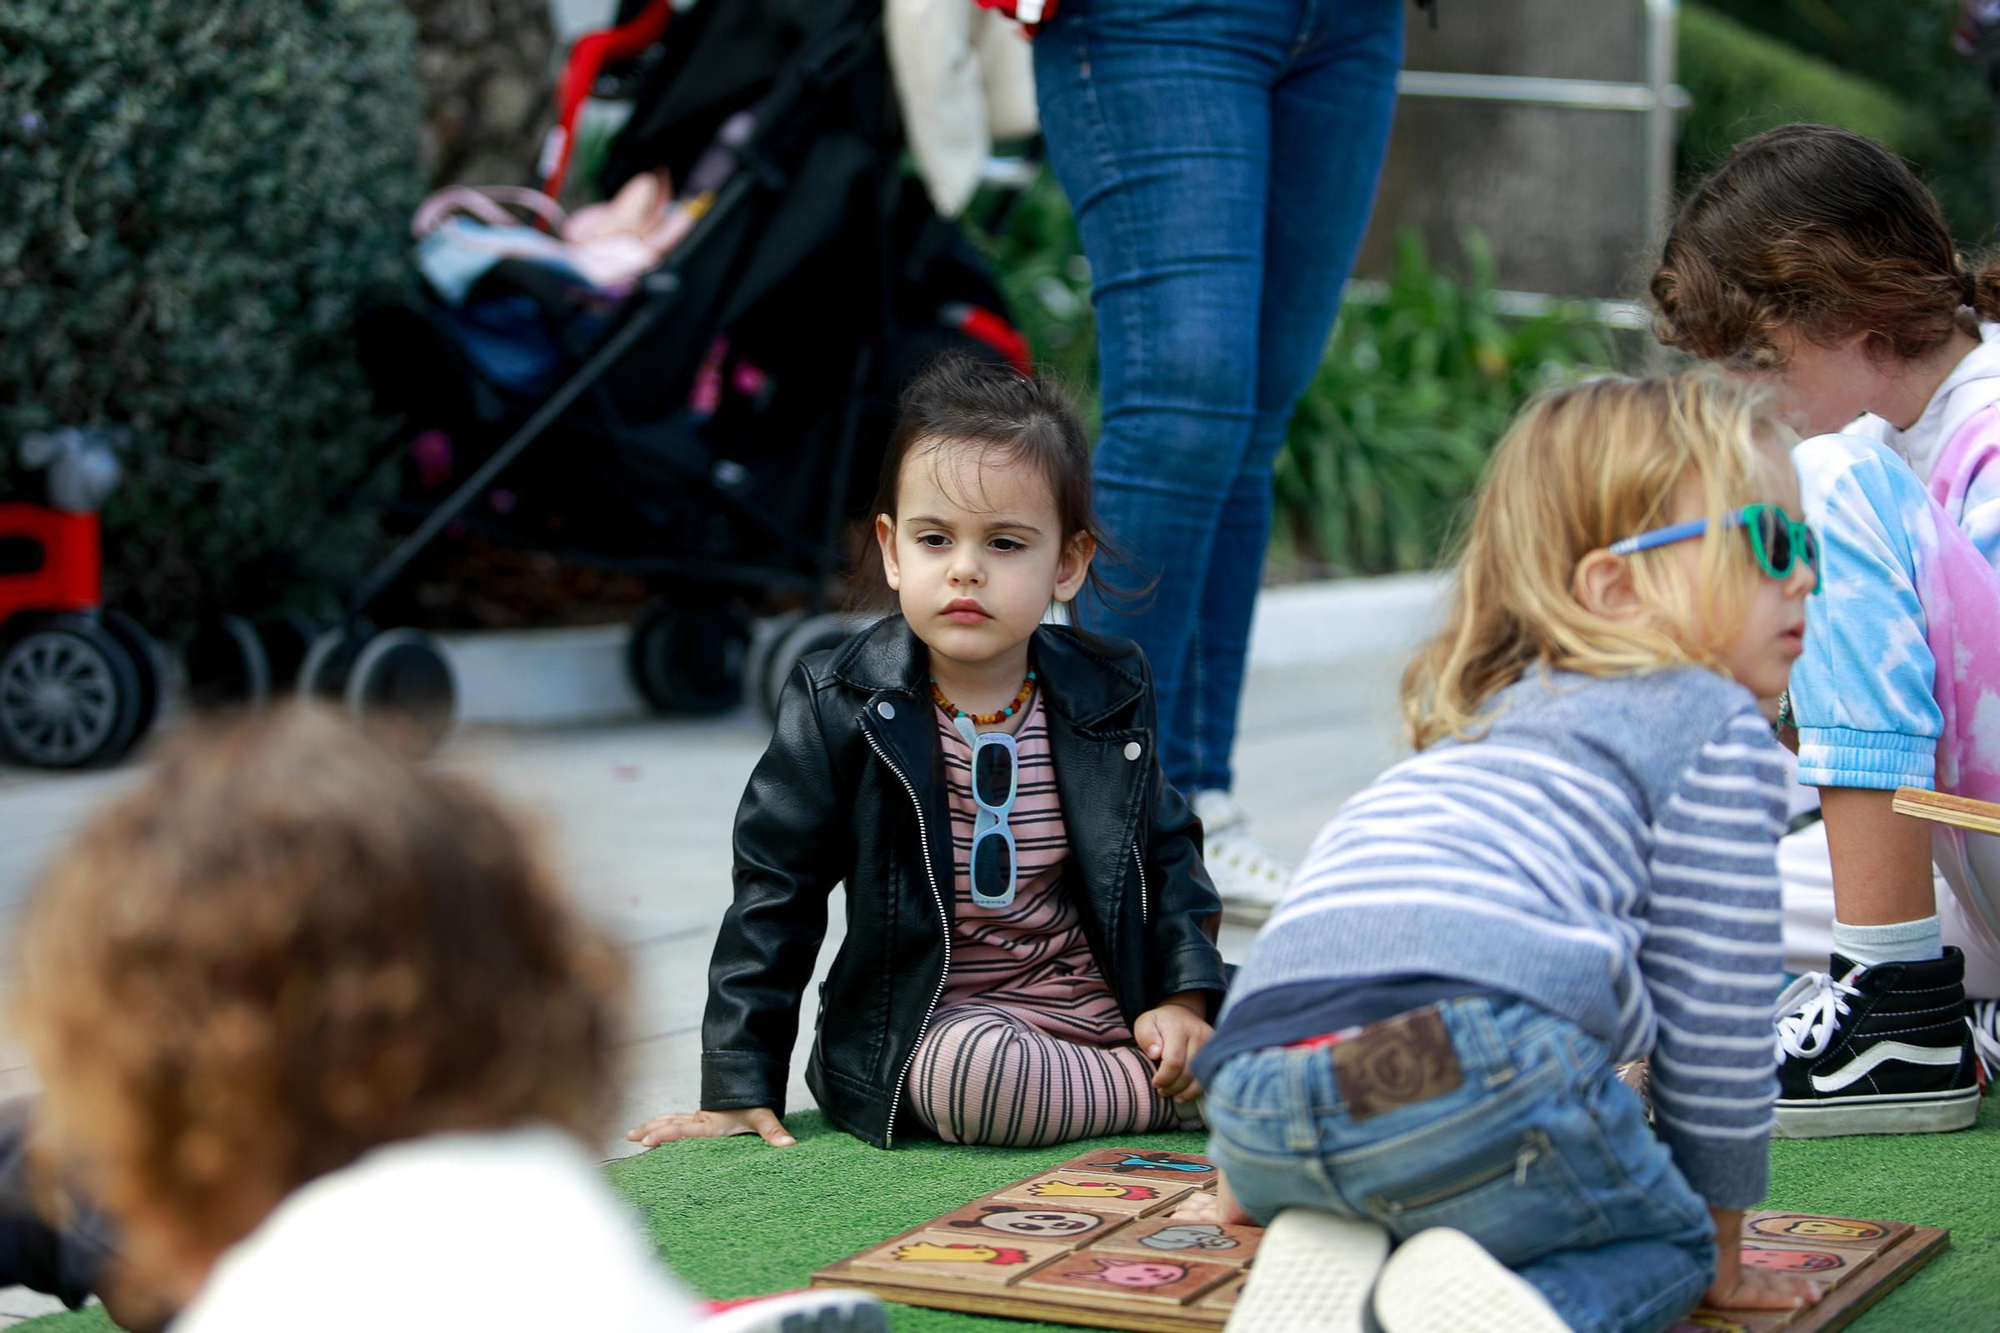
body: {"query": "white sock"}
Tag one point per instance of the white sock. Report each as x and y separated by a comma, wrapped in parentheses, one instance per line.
(1899, 942)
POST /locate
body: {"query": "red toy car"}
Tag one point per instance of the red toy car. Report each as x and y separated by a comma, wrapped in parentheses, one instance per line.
(78, 684)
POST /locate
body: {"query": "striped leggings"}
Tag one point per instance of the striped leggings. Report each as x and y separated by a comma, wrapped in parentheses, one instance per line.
(984, 1075)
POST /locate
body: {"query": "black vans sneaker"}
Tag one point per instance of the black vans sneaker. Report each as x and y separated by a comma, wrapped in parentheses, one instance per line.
(1881, 1049)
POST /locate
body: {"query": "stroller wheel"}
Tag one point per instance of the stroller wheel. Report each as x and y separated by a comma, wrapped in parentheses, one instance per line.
(765, 635)
(70, 694)
(807, 636)
(402, 676)
(287, 637)
(323, 673)
(149, 661)
(689, 660)
(226, 665)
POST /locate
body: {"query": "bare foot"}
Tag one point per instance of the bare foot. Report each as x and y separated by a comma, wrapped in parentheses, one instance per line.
(1201, 1206)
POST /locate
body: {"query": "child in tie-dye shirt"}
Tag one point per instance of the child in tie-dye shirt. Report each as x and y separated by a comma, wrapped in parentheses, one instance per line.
(1814, 258)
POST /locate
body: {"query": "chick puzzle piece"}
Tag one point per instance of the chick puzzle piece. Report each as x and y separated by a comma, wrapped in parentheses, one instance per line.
(1186, 1168)
(954, 1257)
(1100, 1191)
(1094, 1242)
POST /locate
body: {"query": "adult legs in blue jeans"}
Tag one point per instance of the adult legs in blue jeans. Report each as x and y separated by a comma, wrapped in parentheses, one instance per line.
(1222, 157)
(1541, 1155)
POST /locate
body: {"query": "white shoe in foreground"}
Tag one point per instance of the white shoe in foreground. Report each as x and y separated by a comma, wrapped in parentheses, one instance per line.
(1444, 1281)
(1249, 876)
(1312, 1275)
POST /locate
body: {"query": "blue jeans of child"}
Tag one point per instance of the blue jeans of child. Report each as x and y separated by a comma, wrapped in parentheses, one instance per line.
(1540, 1154)
(1221, 156)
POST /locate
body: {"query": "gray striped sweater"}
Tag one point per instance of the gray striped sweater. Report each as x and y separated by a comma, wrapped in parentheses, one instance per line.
(1607, 852)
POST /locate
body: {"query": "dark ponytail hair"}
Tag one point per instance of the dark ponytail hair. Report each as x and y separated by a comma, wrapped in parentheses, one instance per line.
(1820, 229)
(1015, 419)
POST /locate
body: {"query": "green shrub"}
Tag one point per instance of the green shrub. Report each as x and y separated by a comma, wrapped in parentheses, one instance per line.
(1038, 259)
(191, 197)
(1743, 82)
(1416, 385)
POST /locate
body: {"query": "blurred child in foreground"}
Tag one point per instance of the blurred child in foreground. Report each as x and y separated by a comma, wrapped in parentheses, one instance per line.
(321, 1034)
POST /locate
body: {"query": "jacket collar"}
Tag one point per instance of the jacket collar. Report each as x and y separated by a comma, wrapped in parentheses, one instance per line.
(1079, 674)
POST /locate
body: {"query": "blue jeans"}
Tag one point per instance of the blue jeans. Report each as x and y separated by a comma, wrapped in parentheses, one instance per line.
(1221, 156)
(1540, 1154)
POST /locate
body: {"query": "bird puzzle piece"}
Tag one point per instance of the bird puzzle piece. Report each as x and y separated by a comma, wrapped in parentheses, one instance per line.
(1183, 1167)
(1128, 1276)
(1097, 1192)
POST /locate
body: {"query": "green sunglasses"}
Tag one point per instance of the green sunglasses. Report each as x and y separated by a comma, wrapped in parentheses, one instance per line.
(1778, 540)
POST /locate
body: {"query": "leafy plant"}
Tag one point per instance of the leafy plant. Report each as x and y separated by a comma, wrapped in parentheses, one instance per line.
(1032, 243)
(1418, 382)
(1742, 81)
(1904, 49)
(192, 198)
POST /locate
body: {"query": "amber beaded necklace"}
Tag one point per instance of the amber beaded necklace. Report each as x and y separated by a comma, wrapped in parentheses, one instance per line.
(985, 719)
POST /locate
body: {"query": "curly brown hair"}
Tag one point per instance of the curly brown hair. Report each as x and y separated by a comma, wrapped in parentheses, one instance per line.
(288, 947)
(1822, 230)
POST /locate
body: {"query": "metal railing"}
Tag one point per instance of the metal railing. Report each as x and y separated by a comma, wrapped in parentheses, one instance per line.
(1659, 99)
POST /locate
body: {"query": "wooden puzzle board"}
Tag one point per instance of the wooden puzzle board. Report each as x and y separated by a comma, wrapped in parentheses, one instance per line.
(1943, 808)
(1093, 1242)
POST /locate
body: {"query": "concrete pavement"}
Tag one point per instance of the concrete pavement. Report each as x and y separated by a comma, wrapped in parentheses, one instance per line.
(639, 816)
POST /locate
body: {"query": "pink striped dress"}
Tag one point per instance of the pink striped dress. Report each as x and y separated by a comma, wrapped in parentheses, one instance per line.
(1027, 1046)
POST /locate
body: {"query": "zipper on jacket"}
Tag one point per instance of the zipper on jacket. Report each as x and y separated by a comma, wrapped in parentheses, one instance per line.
(944, 922)
(1142, 882)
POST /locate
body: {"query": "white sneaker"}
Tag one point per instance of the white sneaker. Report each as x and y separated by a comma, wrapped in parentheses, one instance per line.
(1984, 1018)
(1249, 876)
(1312, 1275)
(1444, 1281)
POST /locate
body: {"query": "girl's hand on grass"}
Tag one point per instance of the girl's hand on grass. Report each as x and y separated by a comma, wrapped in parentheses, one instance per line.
(1170, 1035)
(756, 1120)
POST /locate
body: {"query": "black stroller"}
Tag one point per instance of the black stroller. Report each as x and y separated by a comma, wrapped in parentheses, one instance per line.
(815, 282)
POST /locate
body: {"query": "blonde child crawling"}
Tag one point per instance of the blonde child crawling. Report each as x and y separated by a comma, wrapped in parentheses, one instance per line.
(1576, 869)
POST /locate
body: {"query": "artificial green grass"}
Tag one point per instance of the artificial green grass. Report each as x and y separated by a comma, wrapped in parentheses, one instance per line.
(735, 1218)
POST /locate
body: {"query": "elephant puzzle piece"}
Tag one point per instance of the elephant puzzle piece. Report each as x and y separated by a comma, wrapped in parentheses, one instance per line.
(1094, 1242)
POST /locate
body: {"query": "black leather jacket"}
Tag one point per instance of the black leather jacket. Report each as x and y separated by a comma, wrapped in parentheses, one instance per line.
(852, 789)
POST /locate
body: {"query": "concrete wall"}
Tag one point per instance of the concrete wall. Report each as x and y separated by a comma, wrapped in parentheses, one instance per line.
(1560, 194)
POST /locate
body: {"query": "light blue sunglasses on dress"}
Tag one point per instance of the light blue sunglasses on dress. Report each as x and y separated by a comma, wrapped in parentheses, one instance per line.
(996, 781)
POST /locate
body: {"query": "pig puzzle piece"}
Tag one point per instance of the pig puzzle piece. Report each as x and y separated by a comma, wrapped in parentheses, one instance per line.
(1094, 1242)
